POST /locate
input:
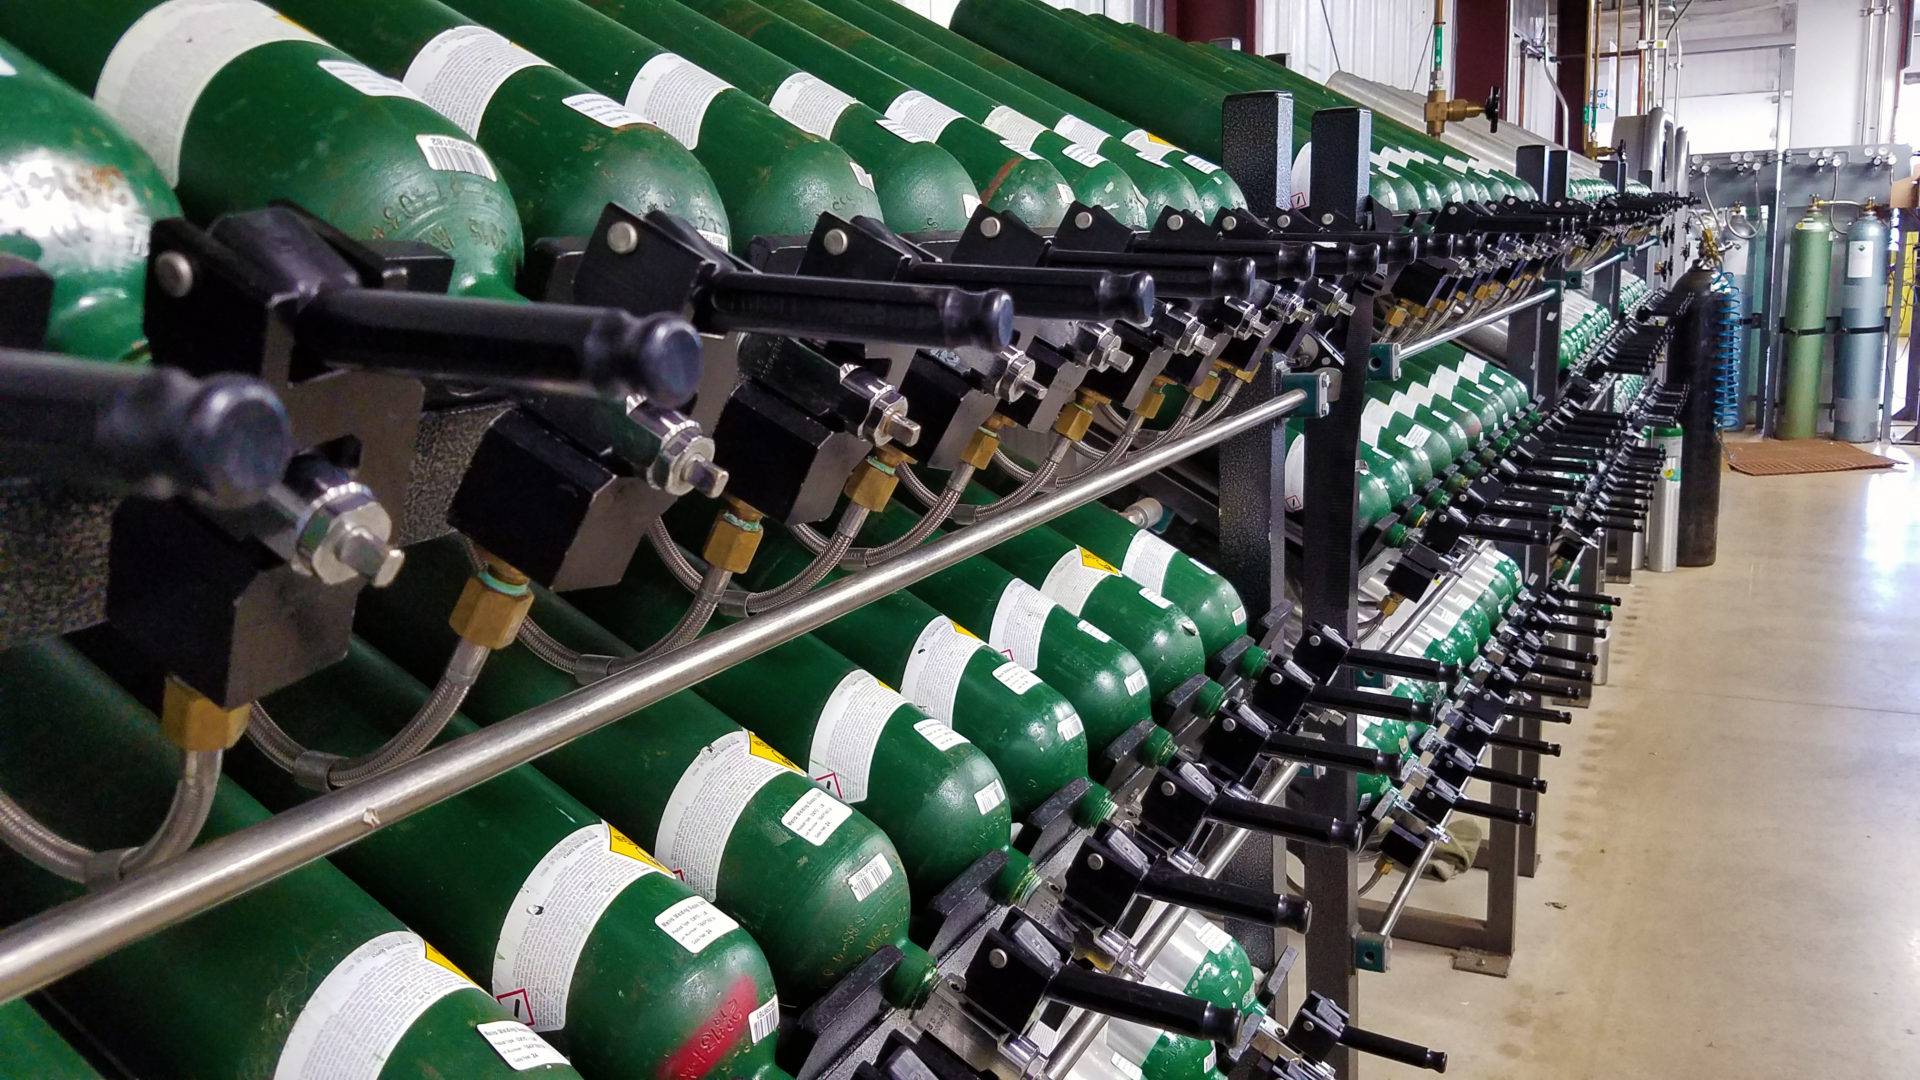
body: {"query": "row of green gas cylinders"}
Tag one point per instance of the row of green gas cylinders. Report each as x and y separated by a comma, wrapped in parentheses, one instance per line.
(634, 903)
(478, 126)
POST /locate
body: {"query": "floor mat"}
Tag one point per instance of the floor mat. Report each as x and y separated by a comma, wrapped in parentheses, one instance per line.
(1772, 457)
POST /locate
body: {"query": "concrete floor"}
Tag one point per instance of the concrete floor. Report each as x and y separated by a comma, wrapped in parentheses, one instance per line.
(1730, 876)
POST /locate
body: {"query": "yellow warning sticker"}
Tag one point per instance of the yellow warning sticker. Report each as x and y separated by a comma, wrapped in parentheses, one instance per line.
(440, 958)
(758, 748)
(1088, 558)
(963, 630)
(620, 844)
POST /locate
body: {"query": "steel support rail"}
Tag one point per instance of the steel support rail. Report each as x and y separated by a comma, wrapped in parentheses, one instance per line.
(1398, 351)
(54, 943)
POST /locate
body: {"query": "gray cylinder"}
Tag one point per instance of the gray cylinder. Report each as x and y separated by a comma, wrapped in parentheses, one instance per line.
(1690, 363)
(1863, 333)
(1663, 514)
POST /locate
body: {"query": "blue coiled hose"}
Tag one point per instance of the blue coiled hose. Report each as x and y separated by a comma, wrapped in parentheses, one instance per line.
(1729, 343)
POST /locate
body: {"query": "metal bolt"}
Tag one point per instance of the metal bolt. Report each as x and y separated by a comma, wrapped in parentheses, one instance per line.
(997, 958)
(1230, 224)
(1083, 220)
(622, 237)
(990, 227)
(1283, 220)
(174, 272)
(1167, 788)
(1314, 640)
(1274, 679)
(1326, 219)
(835, 241)
(1095, 862)
(1176, 221)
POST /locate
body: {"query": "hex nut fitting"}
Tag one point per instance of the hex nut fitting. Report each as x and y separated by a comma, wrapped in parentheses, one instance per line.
(492, 605)
(1073, 423)
(980, 448)
(871, 485)
(193, 721)
(732, 541)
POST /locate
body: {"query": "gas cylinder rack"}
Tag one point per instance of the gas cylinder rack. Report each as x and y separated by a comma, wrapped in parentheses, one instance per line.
(1834, 187)
(278, 442)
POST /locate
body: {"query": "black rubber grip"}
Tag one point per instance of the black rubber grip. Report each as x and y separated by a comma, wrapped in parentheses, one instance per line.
(1144, 1004)
(1384, 1046)
(1476, 808)
(1334, 754)
(1508, 779)
(1535, 712)
(1226, 899)
(837, 309)
(1412, 667)
(153, 431)
(1362, 701)
(532, 348)
(1555, 652)
(1285, 821)
(1519, 742)
(1051, 292)
(1198, 277)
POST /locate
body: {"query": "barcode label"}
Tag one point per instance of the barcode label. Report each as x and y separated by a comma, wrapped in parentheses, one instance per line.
(764, 1020)
(870, 877)
(1071, 728)
(448, 154)
(1136, 681)
(989, 797)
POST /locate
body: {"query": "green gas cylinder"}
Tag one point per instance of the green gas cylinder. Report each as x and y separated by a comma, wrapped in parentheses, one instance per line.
(1075, 117)
(775, 179)
(1424, 450)
(579, 932)
(1087, 681)
(78, 198)
(1809, 270)
(29, 1047)
(1200, 960)
(1202, 592)
(811, 92)
(1158, 633)
(564, 151)
(239, 106)
(1400, 402)
(1382, 482)
(815, 883)
(1440, 368)
(305, 976)
(919, 185)
(1020, 112)
(939, 95)
(1033, 737)
(936, 794)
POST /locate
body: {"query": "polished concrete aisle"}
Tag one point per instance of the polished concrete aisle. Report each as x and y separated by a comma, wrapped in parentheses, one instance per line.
(1730, 885)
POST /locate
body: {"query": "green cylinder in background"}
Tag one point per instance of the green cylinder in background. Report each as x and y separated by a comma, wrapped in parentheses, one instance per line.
(239, 105)
(30, 1047)
(1809, 267)
(77, 197)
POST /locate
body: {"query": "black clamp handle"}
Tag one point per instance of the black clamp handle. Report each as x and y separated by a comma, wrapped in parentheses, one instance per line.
(1321, 1025)
(224, 440)
(1051, 292)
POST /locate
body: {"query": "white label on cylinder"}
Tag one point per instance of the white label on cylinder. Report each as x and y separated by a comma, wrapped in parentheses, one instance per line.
(366, 80)
(1859, 258)
(870, 876)
(674, 93)
(707, 802)
(548, 923)
(460, 70)
(1147, 559)
(1019, 619)
(1136, 681)
(157, 70)
(1094, 632)
(1015, 128)
(940, 735)
(936, 665)
(1074, 577)
(923, 115)
(841, 754)
(1150, 148)
(1303, 175)
(989, 797)
(810, 104)
(814, 816)
(1084, 154)
(604, 110)
(694, 924)
(363, 1008)
(518, 1046)
(1201, 164)
(1074, 129)
(1016, 678)
(764, 1020)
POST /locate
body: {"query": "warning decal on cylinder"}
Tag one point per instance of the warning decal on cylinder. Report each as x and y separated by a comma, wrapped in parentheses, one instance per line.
(460, 70)
(548, 923)
(936, 665)
(518, 1046)
(363, 1008)
(1019, 620)
(158, 69)
(841, 755)
(707, 802)
(1073, 578)
(674, 93)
